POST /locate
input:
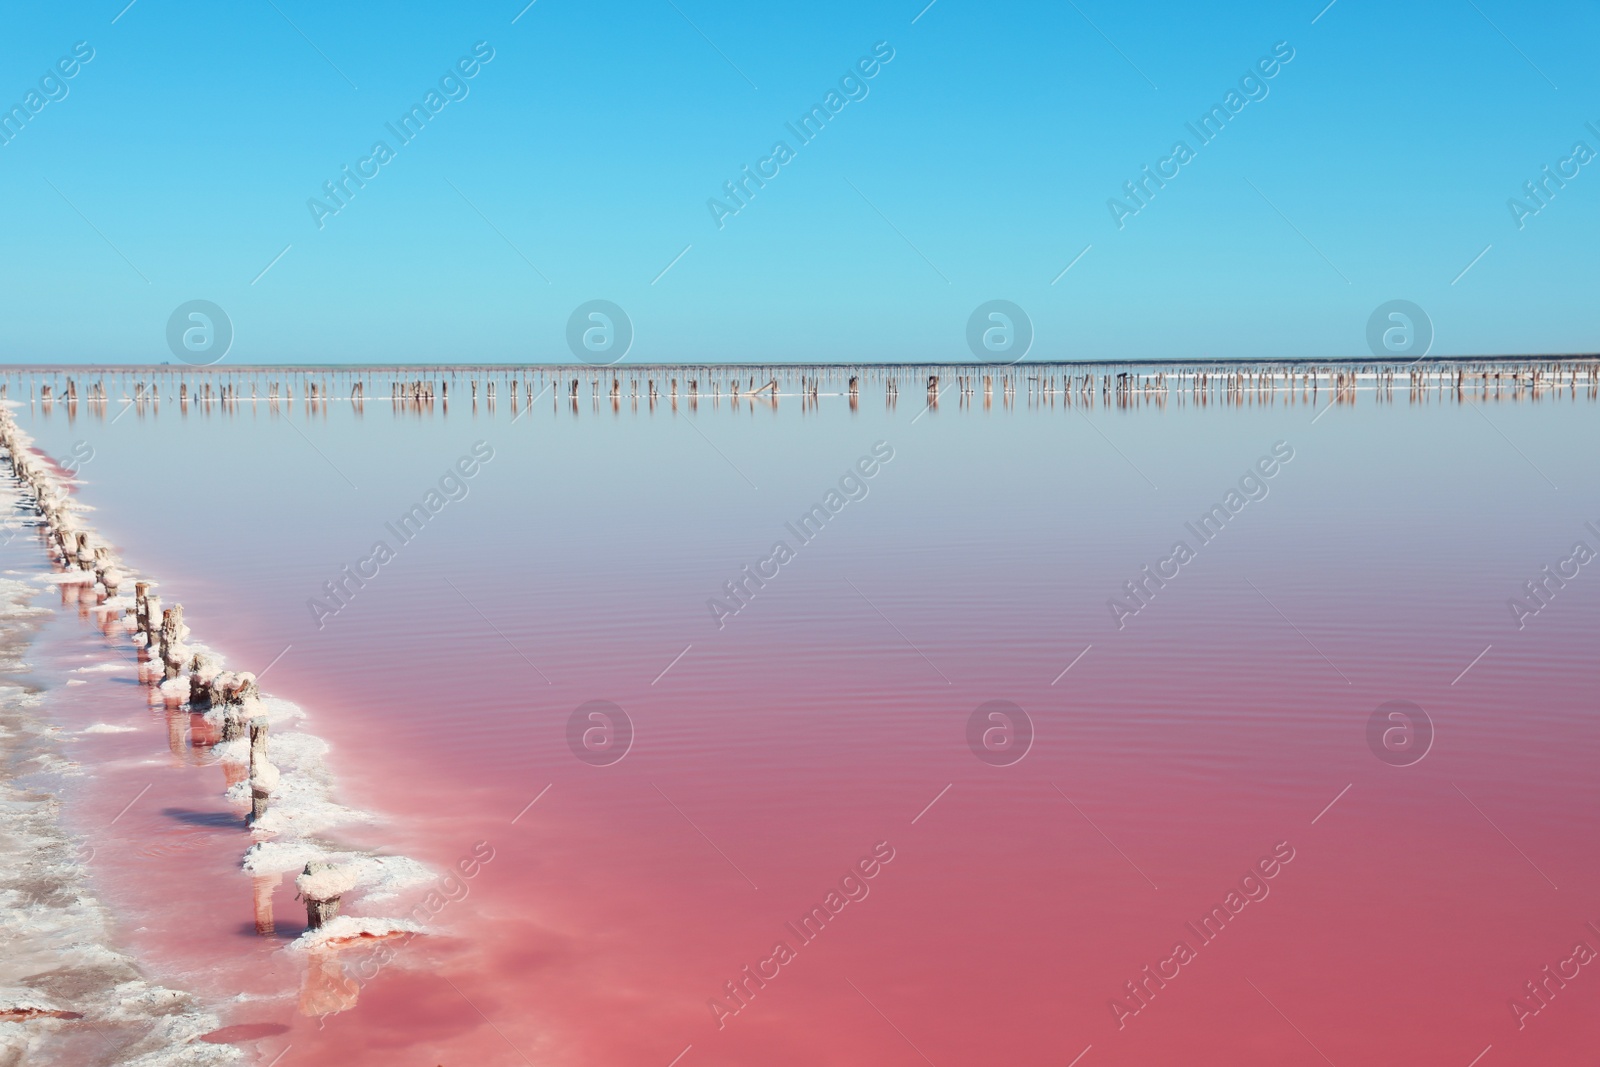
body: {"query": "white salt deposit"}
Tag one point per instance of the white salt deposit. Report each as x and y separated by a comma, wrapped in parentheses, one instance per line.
(276, 857)
(301, 804)
(265, 777)
(108, 728)
(350, 927)
(327, 883)
(99, 668)
(379, 878)
(55, 959)
(68, 578)
(384, 878)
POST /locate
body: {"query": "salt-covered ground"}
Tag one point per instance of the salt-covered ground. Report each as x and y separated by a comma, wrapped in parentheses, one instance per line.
(67, 995)
(74, 966)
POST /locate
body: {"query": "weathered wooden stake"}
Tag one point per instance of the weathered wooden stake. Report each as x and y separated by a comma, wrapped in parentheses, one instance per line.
(322, 885)
(172, 632)
(204, 670)
(263, 775)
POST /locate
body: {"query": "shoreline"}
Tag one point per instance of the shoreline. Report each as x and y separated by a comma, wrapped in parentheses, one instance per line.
(67, 994)
(290, 836)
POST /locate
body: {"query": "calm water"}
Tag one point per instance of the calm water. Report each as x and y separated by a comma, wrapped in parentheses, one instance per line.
(826, 723)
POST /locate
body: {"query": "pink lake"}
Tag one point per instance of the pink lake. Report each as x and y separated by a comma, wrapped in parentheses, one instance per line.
(629, 910)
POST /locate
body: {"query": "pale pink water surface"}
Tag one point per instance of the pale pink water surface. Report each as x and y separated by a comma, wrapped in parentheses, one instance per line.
(827, 721)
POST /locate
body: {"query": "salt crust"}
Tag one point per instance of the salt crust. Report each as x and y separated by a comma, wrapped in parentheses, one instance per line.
(301, 806)
(350, 928)
(103, 668)
(54, 933)
(68, 578)
(327, 883)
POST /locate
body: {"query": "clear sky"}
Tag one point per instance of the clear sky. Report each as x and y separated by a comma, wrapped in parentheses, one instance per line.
(976, 164)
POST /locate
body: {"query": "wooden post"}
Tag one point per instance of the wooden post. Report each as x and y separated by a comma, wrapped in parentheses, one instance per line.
(322, 885)
(240, 696)
(204, 671)
(172, 630)
(263, 775)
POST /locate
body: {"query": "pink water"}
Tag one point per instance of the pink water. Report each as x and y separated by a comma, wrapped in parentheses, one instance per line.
(829, 718)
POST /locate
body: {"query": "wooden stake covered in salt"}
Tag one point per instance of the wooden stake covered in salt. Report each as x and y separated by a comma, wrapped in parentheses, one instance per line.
(173, 632)
(263, 775)
(322, 885)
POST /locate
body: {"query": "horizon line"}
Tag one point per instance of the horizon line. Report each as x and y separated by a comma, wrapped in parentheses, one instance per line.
(1287, 361)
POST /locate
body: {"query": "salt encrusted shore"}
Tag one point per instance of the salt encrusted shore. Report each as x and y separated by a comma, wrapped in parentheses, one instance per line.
(66, 996)
(273, 772)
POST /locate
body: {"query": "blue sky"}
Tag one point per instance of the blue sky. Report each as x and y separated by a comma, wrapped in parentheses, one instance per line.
(978, 165)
